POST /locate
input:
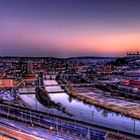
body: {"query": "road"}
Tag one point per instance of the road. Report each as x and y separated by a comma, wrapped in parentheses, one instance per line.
(17, 134)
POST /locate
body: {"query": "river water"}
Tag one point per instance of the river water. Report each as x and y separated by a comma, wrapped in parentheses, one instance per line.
(84, 112)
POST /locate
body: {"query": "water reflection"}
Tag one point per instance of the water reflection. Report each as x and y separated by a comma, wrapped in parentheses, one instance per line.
(86, 113)
(96, 114)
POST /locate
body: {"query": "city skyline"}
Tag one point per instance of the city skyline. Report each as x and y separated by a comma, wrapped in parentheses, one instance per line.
(69, 28)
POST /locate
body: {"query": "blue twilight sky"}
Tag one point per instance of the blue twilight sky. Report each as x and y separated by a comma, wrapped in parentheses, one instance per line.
(66, 28)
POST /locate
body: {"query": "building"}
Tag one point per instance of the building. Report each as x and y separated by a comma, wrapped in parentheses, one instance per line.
(29, 67)
(6, 83)
(133, 55)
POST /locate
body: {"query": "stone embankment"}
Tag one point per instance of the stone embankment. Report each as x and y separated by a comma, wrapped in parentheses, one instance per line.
(120, 106)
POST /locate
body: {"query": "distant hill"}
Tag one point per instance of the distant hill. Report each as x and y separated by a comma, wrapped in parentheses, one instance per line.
(83, 58)
(94, 58)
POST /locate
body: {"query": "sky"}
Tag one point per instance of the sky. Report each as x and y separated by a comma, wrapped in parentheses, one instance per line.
(65, 28)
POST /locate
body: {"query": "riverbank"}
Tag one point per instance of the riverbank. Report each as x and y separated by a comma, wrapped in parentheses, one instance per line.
(44, 98)
(120, 106)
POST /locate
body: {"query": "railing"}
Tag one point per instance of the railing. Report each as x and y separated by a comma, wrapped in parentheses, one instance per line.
(44, 120)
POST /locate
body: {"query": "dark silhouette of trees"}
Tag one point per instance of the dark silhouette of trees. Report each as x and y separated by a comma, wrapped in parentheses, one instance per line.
(118, 62)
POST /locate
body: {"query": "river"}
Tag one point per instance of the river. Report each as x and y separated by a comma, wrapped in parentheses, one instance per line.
(84, 112)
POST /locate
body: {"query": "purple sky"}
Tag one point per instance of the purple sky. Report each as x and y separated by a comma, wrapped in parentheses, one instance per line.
(66, 28)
